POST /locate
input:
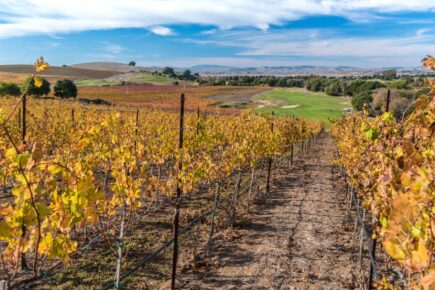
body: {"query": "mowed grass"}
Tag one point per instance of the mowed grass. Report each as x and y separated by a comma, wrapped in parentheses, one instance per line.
(149, 79)
(310, 105)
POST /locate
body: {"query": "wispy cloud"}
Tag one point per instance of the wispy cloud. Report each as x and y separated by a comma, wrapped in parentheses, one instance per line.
(326, 44)
(112, 48)
(26, 17)
(161, 30)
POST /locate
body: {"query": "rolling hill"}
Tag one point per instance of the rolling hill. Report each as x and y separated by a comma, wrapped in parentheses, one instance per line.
(60, 72)
(109, 66)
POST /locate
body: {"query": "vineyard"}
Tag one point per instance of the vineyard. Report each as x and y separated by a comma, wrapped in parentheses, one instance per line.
(92, 195)
(72, 176)
(390, 166)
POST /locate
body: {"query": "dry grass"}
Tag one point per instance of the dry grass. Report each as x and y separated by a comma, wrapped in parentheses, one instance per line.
(166, 97)
(56, 72)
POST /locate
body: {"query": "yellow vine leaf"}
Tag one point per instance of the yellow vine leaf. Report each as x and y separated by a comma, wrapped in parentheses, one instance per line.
(420, 256)
(394, 249)
(40, 64)
(37, 82)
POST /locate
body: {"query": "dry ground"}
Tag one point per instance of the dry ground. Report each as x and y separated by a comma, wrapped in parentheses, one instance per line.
(300, 238)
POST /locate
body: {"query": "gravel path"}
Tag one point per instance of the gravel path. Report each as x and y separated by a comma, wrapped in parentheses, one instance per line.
(299, 239)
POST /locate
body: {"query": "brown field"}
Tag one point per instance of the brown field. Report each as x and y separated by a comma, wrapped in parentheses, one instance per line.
(167, 97)
(7, 77)
(54, 72)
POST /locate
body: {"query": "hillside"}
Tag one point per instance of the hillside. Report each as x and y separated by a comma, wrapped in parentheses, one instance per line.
(61, 72)
(108, 66)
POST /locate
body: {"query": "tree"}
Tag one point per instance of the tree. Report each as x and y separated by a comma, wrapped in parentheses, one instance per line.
(315, 84)
(65, 89)
(333, 87)
(361, 99)
(33, 90)
(187, 75)
(132, 63)
(9, 89)
(169, 71)
(359, 86)
(401, 84)
(389, 74)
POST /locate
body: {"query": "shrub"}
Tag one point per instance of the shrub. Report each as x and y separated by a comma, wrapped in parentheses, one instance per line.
(333, 87)
(65, 89)
(9, 89)
(35, 91)
(361, 99)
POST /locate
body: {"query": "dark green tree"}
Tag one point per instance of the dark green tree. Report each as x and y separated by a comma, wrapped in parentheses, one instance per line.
(65, 89)
(132, 63)
(32, 90)
(361, 99)
(169, 71)
(9, 89)
(333, 87)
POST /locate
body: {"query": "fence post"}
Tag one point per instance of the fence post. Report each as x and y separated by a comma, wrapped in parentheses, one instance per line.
(373, 260)
(197, 120)
(213, 214)
(24, 266)
(178, 198)
(24, 129)
(270, 161)
(387, 105)
(251, 183)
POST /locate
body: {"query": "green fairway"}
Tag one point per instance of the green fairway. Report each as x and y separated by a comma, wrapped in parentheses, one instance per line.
(303, 103)
(149, 79)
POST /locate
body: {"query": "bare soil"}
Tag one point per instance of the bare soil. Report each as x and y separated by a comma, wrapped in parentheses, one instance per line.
(300, 237)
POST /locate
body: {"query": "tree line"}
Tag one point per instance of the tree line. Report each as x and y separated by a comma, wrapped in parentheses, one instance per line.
(62, 89)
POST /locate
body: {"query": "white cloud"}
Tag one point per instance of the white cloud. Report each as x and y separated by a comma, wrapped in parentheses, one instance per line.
(25, 17)
(112, 47)
(325, 45)
(161, 30)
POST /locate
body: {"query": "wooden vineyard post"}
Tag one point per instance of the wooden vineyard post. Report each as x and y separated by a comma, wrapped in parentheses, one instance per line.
(213, 215)
(72, 116)
(251, 183)
(19, 118)
(197, 120)
(24, 129)
(120, 246)
(387, 103)
(178, 197)
(234, 199)
(136, 131)
(373, 259)
(24, 266)
(270, 162)
(361, 238)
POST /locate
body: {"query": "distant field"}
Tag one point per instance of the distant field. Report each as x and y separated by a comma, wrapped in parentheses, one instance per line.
(166, 97)
(300, 102)
(137, 78)
(7, 77)
(59, 72)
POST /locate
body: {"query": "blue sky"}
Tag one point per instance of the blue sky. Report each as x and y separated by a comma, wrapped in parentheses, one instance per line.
(363, 33)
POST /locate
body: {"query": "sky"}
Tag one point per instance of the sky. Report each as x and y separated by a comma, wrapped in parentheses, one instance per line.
(241, 33)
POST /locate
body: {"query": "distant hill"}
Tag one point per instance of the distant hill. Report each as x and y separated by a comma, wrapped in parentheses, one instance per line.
(59, 71)
(296, 70)
(109, 66)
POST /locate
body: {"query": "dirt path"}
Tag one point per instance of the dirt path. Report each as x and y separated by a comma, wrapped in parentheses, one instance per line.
(300, 239)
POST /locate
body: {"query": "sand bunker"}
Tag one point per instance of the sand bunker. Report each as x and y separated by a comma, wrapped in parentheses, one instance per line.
(290, 106)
